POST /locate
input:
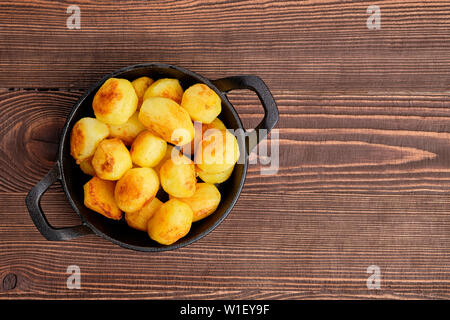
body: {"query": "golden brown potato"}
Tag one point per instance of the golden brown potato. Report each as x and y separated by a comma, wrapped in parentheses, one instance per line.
(99, 196)
(188, 148)
(171, 222)
(178, 177)
(167, 156)
(148, 150)
(87, 168)
(166, 88)
(215, 124)
(200, 129)
(167, 119)
(202, 103)
(115, 101)
(205, 200)
(214, 177)
(85, 136)
(140, 85)
(217, 152)
(128, 131)
(139, 219)
(111, 159)
(135, 188)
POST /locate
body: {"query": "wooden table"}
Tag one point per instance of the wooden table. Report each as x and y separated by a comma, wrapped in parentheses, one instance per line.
(364, 136)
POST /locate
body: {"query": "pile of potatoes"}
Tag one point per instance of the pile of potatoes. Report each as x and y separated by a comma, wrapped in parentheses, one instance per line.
(143, 138)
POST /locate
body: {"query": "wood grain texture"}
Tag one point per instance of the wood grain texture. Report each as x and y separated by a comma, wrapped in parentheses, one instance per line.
(364, 175)
(324, 44)
(324, 219)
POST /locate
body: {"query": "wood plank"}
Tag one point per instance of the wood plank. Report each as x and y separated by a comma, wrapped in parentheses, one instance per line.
(363, 180)
(318, 46)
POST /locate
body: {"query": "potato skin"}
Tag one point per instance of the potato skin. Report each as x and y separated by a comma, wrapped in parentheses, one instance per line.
(135, 188)
(171, 222)
(128, 131)
(205, 200)
(99, 197)
(111, 159)
(115, 101)
(85, 136)
(167, 155)
(217, 152)
(139, 219)
(166, 88)
(167, 119)
(87, 168)
(202, 103)
(215, 124)
(140, 85)
(148, 150)
(178, 177)
(214, 177)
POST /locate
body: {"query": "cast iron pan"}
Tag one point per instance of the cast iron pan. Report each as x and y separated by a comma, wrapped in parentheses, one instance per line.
(72, 179)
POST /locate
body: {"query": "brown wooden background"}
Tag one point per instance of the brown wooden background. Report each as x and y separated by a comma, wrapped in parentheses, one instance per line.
(364, 146)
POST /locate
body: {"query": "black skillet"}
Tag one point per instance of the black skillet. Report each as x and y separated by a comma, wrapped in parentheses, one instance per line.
(72, 179)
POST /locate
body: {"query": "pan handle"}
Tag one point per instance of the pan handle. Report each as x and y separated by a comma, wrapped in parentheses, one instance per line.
(257, 85)
(33, 202)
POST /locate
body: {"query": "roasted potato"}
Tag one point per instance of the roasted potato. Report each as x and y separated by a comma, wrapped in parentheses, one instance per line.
(87, 168)
(171, 151)
(115, 101)
(135, 188)
(99, 196)
(167, 119)
(171, 222)
(205, 200)
(139, 219)
(128, 131)
(214, 177)
(202, 103)
(200, 129)
(217, 152)
(178, 177)
(111, 159)
(215, 124)
(85, 136)
(150, 117)
(148, 150)
(166, 88)
(140, 85)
